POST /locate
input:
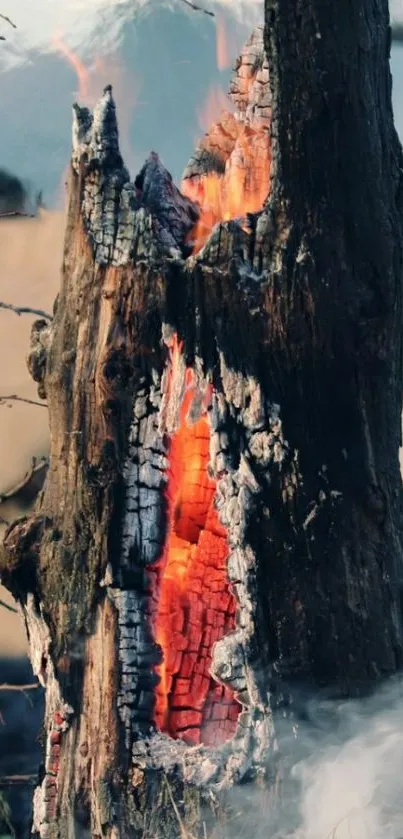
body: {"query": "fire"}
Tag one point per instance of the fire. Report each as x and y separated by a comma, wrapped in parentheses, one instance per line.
(215, 103)
(196, 607)
(93, 77)
(228, 174)
(82, 72)
(222, 47)
(242, 189)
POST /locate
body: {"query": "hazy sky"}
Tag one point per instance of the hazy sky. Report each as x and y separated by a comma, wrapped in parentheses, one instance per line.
(99, 23)
(160, 57)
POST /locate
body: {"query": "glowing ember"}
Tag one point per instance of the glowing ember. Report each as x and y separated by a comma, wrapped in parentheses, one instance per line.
(196, 607)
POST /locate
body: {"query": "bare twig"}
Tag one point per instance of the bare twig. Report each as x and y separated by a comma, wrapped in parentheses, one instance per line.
(197, 8)
(21, 688)
(16, 213)
(14, 398)
(8, 607)
(25, 310)
(36, 466)
(7, 20)
(13, 780)
(183, 831)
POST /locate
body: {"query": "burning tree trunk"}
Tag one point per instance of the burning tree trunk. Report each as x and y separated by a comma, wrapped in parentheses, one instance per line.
(221, 520)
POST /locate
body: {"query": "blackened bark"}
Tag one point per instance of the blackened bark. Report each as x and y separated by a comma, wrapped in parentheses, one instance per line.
(334, 304)
(282, 336)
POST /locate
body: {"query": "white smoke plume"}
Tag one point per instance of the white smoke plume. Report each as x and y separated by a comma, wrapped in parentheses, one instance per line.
(347, 778)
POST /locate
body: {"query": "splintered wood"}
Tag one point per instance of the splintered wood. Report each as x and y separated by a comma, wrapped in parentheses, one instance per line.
(196, 607)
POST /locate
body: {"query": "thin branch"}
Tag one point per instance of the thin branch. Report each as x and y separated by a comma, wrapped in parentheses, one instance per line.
(8, 607)
(25, 310)
(36, 466)
(11, 780)
(198, 8)
(22, 688)
(16, 213)
(7, 20)
(14, 398)
(183, 831)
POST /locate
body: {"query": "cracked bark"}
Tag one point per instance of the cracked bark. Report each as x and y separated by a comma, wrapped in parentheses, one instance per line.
(288, 329)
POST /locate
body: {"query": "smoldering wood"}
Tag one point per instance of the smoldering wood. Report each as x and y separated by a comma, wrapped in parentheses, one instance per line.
(290, 323)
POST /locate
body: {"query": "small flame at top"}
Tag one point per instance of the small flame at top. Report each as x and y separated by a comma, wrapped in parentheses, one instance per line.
(82, 72)
(93, 77)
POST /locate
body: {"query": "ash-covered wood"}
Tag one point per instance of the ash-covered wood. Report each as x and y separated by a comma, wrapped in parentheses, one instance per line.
(119, 215)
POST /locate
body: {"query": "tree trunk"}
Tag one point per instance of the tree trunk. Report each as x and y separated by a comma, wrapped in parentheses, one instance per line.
(221, 521)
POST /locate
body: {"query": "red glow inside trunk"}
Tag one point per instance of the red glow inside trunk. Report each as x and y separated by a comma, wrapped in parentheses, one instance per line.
(196, 607)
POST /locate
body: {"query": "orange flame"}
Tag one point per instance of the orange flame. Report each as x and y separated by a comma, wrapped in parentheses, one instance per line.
(222, 45)
(215, 103)
(196, 607)
(82, 72)
(242, 189)
(92, 78)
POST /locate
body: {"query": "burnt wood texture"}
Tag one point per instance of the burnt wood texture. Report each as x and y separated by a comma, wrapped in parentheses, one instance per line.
(221, 522)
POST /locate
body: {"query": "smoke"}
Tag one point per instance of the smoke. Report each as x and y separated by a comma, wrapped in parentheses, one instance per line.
(93, 26)
(353, 784)
(346, 776)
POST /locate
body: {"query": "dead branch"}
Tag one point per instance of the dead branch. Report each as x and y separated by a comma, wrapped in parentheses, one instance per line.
(198, 8)
(8, 20)
(16, 213)
(12, 780)
(36, 466)
(14, 398)
(8, 607)
(19, 688)
(25, 310)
